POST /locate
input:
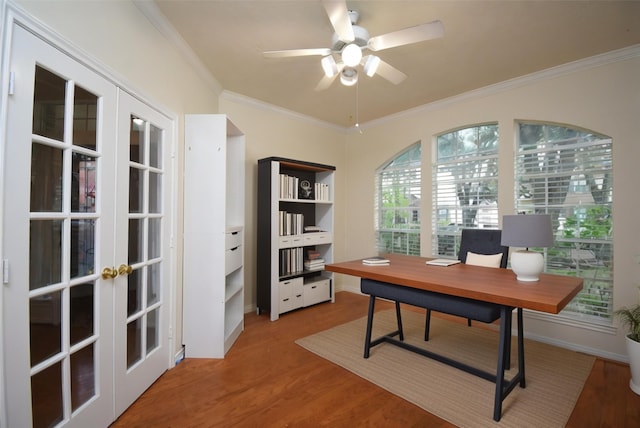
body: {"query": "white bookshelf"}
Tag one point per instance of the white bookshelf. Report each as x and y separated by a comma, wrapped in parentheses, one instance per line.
(213, 295)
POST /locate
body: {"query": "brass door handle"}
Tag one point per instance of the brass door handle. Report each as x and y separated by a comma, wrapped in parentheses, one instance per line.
(109, 273)
(125, 269)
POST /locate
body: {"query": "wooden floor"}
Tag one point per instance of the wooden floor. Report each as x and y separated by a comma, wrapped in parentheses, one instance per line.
(267, 380)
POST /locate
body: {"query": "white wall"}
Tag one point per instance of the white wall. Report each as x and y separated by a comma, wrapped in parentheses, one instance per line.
(600, 96)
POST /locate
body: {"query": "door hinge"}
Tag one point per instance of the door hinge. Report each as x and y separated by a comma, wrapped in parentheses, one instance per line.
(5, 271)
(12, 82)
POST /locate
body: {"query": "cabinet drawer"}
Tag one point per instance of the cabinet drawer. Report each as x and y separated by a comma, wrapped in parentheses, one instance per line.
(317, 238)
(291, 241)
(232, 259)
(233, 238)
(316, 292)
(290, 294)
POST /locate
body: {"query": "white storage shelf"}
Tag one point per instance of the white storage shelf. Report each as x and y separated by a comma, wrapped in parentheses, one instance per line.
(213, 299)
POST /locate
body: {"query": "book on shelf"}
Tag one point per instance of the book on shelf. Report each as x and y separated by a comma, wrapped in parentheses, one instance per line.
(288, 186)
(290, 223)
(312, 254)
(311, 229)
(314, 264)
(442, 262)
(375, 261)
(321, 191)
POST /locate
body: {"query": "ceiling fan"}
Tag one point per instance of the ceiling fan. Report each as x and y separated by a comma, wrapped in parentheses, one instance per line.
(350, 41)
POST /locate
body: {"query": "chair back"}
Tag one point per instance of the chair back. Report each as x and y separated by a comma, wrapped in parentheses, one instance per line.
(482, 241)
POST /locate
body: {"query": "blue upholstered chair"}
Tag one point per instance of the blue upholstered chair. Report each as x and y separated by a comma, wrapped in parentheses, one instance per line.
(483, 243)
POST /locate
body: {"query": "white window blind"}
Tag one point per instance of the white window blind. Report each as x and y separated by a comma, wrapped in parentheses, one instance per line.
(398, 185)
(567, 172)
(465, 185)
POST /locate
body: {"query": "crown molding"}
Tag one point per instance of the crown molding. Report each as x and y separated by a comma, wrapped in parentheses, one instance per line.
(261, 105)
(611, 57)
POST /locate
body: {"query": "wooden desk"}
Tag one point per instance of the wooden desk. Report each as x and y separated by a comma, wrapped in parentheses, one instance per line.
(498, 286)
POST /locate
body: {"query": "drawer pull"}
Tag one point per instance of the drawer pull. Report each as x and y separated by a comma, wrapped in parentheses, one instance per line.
(234, 248)
(234, 233)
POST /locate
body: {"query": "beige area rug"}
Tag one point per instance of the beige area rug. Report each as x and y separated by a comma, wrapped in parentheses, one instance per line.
(554, 376)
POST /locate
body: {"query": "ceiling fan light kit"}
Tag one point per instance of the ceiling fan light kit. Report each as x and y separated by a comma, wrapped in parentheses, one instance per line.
(349, 76)
(371, 65)
(350, 40)
(351, 55)
(329, 66)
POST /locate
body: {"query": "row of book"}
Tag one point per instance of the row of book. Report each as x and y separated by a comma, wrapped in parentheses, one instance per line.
(289, 186)
(293, 260)
(292, 187)
(290, 223)
(322, 192)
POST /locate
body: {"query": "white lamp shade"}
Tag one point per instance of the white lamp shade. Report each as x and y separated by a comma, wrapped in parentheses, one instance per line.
(351, 55)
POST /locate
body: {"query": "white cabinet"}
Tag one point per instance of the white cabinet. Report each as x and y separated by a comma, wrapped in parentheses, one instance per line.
(213, 294)
(295, 235)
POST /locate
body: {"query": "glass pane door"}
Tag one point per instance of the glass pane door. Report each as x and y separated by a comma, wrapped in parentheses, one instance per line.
(143, 233)
(58, 230)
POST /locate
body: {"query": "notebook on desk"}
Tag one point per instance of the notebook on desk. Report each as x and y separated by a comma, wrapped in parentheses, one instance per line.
(442, 262)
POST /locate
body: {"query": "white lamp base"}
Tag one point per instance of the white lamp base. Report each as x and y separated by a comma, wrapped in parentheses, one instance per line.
(527, 265)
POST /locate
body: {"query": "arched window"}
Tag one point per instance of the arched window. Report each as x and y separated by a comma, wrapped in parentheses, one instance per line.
(567, 172)
(398, 185)
(465, 185)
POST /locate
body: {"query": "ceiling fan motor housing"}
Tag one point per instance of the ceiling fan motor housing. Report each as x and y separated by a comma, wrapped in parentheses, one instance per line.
(361, 34)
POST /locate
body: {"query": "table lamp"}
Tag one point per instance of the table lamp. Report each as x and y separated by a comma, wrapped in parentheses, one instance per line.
(526, 231)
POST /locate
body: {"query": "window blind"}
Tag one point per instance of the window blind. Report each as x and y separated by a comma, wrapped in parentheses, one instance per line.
(567, 173)
(465, 185)
(397, 209)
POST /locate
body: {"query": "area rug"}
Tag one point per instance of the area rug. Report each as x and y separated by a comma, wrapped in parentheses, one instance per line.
(554, 376)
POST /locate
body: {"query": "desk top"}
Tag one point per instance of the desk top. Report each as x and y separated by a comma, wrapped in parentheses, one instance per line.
(550, 294)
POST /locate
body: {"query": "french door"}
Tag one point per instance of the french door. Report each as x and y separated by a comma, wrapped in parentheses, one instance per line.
(85, 304)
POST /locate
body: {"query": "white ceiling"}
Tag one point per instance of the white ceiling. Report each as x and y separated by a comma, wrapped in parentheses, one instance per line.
(485, 42)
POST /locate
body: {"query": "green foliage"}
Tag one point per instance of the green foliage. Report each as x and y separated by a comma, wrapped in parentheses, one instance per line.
(596, 224)
(630, 318)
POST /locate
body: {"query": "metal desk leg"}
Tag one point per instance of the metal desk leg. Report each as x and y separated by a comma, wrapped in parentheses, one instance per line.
(367, 338)
(504, 332)
(399, 319)
(521, 349)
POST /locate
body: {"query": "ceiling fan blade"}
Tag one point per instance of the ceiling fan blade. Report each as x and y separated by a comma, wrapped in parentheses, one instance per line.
(419, 33)
(339, 17)
(325, 82)
(297, 52)
(390, 73)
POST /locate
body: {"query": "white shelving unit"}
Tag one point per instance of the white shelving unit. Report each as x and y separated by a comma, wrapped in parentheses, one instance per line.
(293, 195)
(213, 298)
